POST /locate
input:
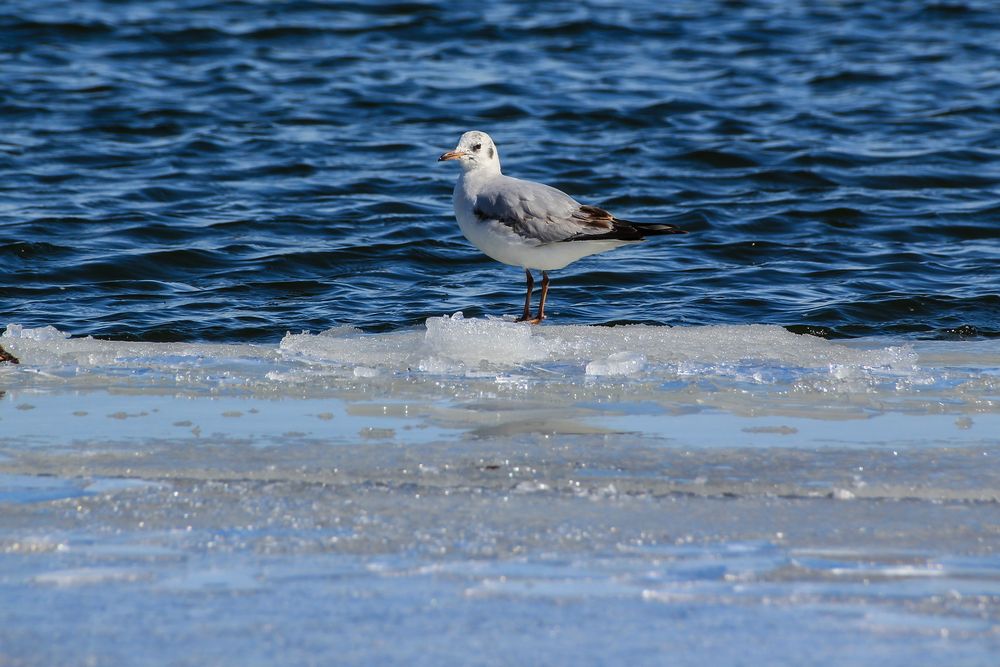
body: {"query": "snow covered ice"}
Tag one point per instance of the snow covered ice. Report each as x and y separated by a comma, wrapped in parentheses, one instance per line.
(476, 479)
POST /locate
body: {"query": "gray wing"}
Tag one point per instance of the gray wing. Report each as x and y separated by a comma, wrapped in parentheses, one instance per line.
(541, 213)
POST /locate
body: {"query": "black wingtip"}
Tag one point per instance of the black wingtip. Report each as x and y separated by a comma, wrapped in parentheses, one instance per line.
(629, 231)
(655, 230)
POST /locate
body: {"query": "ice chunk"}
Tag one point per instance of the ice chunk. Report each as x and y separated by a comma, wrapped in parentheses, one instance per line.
(438, 366)
(619, 363)
(351, 347)
(45, 333)
(493, 341)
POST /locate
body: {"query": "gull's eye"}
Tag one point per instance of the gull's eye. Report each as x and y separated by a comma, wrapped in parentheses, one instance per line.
(477, 147)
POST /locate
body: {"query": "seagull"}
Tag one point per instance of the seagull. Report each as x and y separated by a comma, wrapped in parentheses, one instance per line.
(528, 224)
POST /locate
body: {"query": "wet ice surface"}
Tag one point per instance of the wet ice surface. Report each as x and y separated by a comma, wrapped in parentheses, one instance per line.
(426, 496)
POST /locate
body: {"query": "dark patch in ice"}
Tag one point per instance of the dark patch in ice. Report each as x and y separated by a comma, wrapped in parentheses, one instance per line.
(7, 357)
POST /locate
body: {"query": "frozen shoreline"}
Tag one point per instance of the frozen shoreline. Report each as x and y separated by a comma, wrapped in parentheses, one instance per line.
(702, 489)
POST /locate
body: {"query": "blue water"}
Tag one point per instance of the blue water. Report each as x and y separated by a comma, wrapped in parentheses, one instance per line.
(203, 170)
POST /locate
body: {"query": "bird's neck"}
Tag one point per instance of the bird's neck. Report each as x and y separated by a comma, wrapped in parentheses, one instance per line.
(482, 171)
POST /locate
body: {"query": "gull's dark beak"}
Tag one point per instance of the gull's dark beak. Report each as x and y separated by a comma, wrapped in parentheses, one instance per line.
(451, 155)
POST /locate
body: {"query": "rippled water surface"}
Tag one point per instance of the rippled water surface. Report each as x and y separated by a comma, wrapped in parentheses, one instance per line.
(194, 170)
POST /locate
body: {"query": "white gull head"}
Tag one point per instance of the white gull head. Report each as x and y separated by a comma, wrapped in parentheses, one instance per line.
(475, 152)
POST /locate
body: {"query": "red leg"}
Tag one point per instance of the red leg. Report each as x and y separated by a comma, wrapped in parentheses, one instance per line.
(527, 297)
(541, 304)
